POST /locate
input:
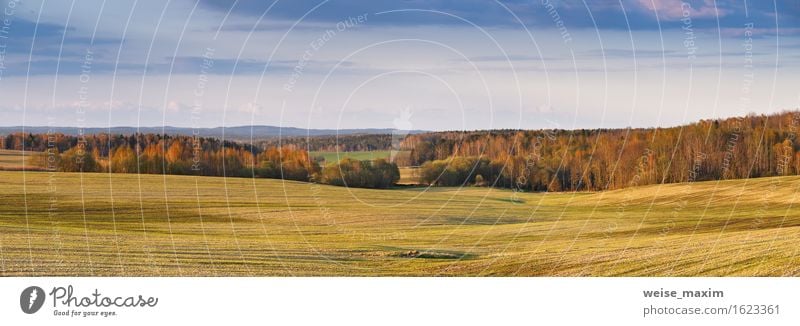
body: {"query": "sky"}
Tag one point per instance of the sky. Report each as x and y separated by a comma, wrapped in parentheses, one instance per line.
(407, 64)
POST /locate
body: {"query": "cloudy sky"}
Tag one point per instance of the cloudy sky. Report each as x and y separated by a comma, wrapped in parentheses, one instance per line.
(434, 65)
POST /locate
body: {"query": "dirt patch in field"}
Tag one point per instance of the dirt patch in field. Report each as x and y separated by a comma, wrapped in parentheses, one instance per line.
(433, 254)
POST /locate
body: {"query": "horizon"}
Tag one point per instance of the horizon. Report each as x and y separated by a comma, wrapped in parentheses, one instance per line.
(412, 130)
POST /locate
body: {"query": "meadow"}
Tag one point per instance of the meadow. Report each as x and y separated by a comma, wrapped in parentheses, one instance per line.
(17, 160)
(408, 176)
(332, 157)
(155, 225)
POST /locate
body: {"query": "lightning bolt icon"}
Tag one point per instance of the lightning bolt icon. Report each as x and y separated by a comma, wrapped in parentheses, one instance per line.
(34, 295)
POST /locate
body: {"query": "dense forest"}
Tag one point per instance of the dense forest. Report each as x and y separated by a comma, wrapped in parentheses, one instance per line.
(164, 154)
(361, 174)
(563, 160)
(184, 155)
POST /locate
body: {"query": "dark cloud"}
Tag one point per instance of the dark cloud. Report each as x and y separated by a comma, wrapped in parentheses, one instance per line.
(603, 14)
(51, 40)
(44, 40)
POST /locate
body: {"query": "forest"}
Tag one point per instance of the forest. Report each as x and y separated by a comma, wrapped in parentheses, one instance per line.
(602, 159)
(361, 174)
(185, 155)
(529, 160)
(164, 154)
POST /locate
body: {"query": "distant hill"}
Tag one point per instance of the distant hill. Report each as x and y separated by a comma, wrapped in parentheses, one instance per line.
(237, 132)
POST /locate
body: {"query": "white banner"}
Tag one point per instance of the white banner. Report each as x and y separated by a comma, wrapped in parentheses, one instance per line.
(399, 301)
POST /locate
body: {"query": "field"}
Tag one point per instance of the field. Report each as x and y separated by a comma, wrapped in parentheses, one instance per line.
(13, 160)
(408, 176)
(137, 225)
(331, 157)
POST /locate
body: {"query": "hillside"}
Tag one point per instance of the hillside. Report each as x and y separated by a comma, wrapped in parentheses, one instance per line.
(127, 224)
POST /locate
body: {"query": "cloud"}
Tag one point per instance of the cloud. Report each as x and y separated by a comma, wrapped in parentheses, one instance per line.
(758, 32)
(510, 57)
(175, 106)
(604, 14)
(678, 9)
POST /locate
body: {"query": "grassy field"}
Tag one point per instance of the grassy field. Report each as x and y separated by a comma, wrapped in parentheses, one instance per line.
(331, 157)
(124, 224)
(13, 160)
(408, 176)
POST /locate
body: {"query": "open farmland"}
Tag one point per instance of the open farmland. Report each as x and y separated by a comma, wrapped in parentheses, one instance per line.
(408, 176)
(18, 160)
(136, 225)
(333, 157)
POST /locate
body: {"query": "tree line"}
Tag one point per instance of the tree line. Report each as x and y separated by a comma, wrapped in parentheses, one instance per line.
(361, 174)
(601, 159)
(186, 155)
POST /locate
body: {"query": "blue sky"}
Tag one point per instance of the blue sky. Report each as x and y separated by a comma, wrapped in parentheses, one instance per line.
(360, 64)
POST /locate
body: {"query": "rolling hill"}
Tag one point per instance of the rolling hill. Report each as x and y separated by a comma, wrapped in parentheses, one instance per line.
(138, 225)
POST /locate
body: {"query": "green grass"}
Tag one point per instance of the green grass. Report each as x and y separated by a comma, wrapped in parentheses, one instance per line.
(130, 225)
(332, 157)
